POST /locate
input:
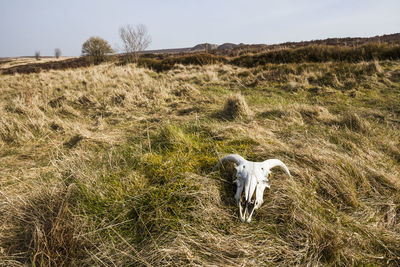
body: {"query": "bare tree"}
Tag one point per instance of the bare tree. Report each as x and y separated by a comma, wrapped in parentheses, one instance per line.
(135, 39)
(57, 52)
(96, 48)
(37, 55)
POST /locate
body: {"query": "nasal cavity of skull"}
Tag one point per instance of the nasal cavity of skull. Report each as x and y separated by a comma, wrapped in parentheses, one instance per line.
(251, 201)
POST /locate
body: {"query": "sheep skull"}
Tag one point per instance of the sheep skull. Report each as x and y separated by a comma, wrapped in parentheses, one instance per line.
(251, 180)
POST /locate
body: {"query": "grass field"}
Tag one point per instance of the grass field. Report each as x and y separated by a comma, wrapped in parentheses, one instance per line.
(11, 62)
(113, 165)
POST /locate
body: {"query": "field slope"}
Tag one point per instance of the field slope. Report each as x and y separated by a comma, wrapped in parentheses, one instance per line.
(113, 165)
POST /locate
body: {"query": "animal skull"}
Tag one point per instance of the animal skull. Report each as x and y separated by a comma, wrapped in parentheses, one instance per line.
(251, 177)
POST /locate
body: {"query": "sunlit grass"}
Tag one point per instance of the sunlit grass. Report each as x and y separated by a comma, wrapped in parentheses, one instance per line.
(113, 165)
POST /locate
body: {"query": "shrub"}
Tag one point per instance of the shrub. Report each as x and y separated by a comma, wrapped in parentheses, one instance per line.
(37, 55)
(134, 39)
(96, 48)
(57, 52)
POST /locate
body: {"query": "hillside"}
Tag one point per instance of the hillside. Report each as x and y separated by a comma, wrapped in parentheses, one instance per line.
(230, 49)
(387, 39)
(164, 62)
(113, 165)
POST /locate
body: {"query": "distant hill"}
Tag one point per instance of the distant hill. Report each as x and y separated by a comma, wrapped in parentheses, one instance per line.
(196, 48)
(390, 39)
(168, 51)
(351, 41)
(231, 49)
(229, 46)
(203, 47)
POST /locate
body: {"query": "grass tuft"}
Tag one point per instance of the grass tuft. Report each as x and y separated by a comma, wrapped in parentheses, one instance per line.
(353, 122)
(42, 228)
(235, 107)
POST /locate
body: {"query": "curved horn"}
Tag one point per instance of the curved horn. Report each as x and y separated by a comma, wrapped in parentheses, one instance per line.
(231, 157)
(272, 163)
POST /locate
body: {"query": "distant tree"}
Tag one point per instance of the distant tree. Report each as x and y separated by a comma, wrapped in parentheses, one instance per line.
(57, 52)
(135, 39)
(37, 55)
(96, 48)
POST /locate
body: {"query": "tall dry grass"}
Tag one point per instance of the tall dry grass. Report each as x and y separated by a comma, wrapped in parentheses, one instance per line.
(113, 165)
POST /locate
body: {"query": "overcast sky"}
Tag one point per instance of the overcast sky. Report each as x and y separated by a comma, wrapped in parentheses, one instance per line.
(27, 26)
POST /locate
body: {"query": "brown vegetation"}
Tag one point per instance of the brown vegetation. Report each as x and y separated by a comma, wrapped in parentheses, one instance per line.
(42, 228)
(113, 165)
(50, 65)
(164, 62)
(96, 49)
(389, 39)
(235, 107)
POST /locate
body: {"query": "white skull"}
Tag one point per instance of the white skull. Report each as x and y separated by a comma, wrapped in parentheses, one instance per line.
(251, 178)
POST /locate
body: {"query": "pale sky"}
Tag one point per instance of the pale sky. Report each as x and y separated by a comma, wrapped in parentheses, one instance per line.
(27, 26)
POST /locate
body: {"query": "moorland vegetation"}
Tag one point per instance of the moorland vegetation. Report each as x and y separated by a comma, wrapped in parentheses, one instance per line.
(112, 164)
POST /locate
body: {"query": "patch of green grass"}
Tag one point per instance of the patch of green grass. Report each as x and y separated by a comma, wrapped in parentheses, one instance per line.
(148, 186)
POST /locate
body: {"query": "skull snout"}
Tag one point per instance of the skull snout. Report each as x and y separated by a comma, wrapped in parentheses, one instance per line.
(246, 209)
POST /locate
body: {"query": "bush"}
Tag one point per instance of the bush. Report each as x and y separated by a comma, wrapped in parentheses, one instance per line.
(37, 55)
(96, 48)
(135, 39)
(57, 52)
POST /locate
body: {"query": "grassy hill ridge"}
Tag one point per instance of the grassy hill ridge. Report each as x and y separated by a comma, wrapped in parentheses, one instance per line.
(161, 62)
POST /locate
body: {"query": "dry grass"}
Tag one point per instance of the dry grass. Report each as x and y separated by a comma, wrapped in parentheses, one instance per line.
(235, 107)
(41, 228)
(27, 60)
(113, 165)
